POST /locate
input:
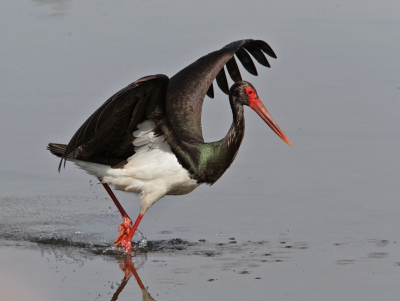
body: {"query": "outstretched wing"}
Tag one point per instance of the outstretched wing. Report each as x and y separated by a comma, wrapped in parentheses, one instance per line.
(187, 88)
(106, 136)
(256, 48)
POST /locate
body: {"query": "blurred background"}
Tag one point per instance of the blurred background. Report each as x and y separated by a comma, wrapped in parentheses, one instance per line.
(334, 90)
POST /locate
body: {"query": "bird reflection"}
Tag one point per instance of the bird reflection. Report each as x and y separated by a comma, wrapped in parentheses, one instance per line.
(65, 253)
(128, 268)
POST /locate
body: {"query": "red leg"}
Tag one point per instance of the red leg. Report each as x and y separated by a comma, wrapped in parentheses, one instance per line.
(125, 228)
(126, 243)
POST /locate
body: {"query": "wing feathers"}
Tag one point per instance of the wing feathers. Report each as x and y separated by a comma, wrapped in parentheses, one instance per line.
(265, 47)
(210, 91)
(222, 81)
(106, 136)
(257, 54)
(242, 49)
(246, 61)
(233, 70)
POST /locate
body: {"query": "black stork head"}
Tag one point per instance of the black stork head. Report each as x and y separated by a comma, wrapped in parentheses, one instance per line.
(244, 93)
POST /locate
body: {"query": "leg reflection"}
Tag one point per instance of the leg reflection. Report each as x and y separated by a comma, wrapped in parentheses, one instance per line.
(128, 268)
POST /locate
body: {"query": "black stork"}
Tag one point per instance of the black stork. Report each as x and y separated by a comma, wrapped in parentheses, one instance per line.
(147, 138)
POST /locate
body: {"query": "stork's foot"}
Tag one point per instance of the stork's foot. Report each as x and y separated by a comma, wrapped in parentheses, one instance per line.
(126, 232)
(124, 229)
(127, 243)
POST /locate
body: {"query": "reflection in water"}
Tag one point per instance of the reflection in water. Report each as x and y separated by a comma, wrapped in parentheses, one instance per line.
(80, 256)
(128, 268)
(58, 7)
(250, 256)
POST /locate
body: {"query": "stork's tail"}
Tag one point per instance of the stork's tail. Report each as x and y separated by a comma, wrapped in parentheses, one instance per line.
(57, 149)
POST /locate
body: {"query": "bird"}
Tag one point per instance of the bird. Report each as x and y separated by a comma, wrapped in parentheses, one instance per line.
(147, 138)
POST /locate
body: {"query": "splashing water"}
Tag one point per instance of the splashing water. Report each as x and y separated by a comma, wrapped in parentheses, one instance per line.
(143, 240)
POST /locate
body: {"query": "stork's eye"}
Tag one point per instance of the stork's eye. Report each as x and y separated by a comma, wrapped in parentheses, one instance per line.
(250, 92)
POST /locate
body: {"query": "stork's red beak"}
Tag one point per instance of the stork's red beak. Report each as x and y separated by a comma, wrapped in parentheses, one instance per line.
(262, 111)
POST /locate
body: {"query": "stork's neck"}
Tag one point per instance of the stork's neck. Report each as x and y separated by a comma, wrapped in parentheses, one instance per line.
(231, 142)
(207, 162)
(214, 158)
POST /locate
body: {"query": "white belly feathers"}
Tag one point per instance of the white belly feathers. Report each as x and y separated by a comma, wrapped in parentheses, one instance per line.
(152, 171)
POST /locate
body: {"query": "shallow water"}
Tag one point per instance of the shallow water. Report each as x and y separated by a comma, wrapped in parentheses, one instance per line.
(315, 221)
(52, 255)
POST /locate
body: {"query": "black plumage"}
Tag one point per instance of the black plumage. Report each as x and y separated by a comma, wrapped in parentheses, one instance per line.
(170, 112)
(175, 105)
